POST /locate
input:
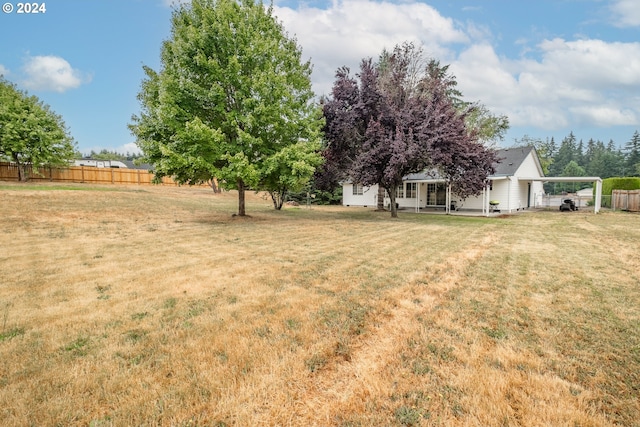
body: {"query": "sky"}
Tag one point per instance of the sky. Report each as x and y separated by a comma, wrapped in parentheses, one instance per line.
(551, 66)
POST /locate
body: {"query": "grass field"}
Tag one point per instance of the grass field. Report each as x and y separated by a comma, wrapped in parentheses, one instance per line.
(153, 306)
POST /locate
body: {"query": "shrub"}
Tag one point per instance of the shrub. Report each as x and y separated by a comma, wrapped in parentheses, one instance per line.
(615, 183)
(319, 197)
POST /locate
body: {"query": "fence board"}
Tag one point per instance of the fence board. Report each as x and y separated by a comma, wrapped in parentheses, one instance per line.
(83, 174)
(626, 200)
(8, 171)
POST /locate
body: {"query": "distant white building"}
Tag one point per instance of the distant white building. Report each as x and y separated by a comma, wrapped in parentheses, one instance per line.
(100, 163)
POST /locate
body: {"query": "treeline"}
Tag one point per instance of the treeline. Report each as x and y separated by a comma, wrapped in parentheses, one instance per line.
(105, 154)
(594, 158)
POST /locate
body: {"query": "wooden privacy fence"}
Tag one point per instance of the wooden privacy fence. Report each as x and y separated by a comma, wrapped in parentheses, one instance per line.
(626, 200)
(86, 174)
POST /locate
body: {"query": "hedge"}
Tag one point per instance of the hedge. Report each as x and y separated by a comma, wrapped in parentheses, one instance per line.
(610, 184)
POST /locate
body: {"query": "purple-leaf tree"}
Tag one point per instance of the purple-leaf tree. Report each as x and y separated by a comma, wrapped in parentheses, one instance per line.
(390, 124)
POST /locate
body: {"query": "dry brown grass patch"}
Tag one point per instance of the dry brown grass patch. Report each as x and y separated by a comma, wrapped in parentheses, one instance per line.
(154, 306)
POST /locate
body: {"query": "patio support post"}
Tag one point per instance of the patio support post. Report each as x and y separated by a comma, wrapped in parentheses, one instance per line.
(486, 204)
(509, 194)
(598, 203)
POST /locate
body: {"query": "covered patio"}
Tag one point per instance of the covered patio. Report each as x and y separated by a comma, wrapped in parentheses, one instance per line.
(439, 198)
(597, 202)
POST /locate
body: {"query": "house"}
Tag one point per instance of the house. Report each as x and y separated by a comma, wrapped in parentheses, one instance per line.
(516, 184)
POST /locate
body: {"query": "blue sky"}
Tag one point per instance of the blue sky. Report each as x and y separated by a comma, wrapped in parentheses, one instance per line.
(551, 66)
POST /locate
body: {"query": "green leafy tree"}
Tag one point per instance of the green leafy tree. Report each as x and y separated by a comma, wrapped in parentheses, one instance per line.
(290, 169)
(544, 148)
(489, 128)
(232, 94)
(31, 135)
(571, 169)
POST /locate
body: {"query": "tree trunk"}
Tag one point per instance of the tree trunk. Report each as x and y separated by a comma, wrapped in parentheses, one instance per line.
(22, 175)
(277, 196)
(394, 208)
(241, 188)
(22, 169)
(214, 185)
(381, 192)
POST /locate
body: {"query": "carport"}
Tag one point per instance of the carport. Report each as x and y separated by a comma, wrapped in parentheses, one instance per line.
(596, 179)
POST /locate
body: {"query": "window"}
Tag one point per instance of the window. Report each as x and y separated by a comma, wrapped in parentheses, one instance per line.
(400, 191)
(411, 190)
(358, 190)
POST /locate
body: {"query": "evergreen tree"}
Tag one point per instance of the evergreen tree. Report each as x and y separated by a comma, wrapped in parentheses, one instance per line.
(579, 155)
(596, 159)
(632, 155)
(589, 153)
(566, 153)
(553, 148)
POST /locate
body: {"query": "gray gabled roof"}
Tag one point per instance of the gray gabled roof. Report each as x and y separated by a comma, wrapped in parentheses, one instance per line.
(510, 159)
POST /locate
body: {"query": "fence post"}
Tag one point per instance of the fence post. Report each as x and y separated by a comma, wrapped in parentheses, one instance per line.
(626, 201)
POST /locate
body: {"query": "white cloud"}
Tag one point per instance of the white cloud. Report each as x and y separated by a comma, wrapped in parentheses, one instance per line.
(583, 82)
(51, 73)
(569, 83)
(593, 63)
(351, 30)
(3, 70)
(605, 115)
(130, 147)
(626, 13)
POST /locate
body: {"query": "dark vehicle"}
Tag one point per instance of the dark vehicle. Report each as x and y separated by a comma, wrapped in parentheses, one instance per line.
(568, 205)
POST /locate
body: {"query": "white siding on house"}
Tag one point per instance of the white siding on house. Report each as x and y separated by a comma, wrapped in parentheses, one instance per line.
(529, 168)
(410, 202)
(499, 191)
(368, 197)
(513, 201)
(530, 197)
(512, 193)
